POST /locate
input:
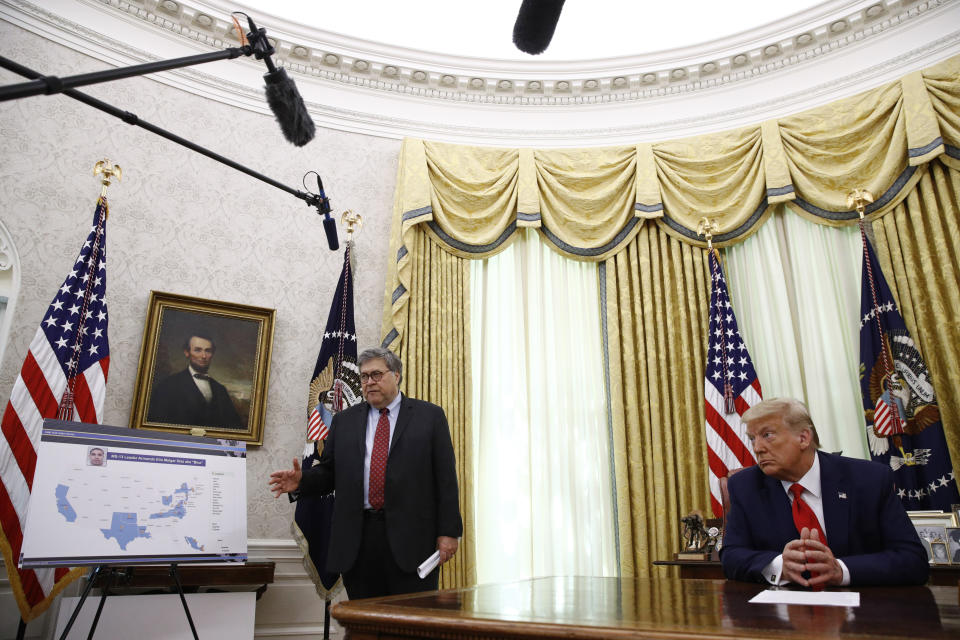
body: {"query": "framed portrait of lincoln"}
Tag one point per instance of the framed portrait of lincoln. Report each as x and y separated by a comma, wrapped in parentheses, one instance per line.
(204, 368)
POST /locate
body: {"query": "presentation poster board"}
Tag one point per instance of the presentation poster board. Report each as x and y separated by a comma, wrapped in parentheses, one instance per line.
(111, 495)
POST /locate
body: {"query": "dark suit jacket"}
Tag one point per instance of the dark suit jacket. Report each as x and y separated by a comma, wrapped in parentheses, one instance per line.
(868, 529)
(177, 400)
(421, 499)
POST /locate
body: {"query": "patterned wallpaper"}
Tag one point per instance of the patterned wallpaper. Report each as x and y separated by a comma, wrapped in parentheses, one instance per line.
(185, 224)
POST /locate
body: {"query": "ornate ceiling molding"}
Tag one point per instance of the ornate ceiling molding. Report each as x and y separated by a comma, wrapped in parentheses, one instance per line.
(357, 63)
(875, 47)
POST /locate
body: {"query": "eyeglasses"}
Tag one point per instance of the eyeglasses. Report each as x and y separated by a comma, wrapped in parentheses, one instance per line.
(373, 376)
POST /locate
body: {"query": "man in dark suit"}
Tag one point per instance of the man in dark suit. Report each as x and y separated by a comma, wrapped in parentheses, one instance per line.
(391, 461)
(851, 504)
(191, 396)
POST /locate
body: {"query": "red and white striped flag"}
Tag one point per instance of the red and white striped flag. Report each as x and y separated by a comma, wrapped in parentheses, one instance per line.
(63, 376)
(730, 388)
(886, 420)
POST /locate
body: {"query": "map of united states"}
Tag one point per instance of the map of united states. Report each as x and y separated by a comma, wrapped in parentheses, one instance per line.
(125, 526)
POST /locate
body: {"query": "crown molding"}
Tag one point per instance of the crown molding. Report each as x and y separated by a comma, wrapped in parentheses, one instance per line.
(364, 87)
(742, 57)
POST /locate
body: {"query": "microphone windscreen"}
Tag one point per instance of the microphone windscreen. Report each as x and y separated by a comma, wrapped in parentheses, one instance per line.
(288, 107)
(330, 228)
(536, 22)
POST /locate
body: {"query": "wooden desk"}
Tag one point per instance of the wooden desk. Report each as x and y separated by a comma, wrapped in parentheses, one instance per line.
(695, 569)
(946, 575)
(662, 608)
(192, 576)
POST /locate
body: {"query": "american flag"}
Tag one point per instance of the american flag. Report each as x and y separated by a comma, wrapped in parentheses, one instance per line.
(63, 376)
(886, 421)
(730, 388)
(334, 387)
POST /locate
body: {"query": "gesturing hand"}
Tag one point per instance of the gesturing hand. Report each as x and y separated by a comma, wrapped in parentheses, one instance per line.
(286, 481)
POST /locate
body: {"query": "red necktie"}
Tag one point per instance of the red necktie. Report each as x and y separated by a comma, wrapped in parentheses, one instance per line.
(803, 515)
(378, 459)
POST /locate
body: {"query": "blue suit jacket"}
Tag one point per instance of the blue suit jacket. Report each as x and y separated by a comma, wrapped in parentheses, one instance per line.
(867, 527)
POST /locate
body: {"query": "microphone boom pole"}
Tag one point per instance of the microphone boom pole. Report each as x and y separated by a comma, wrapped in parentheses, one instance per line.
(49, 85)
(281, 92)
(314, 200)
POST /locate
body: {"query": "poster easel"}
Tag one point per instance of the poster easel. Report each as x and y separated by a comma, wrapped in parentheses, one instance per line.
(110, 497)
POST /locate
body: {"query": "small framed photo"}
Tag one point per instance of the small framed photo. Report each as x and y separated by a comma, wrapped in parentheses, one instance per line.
(932, 518)
(204, 368)
(953, 544)
(955, 508)
(932, 532)
(926, 547)
(938, 552)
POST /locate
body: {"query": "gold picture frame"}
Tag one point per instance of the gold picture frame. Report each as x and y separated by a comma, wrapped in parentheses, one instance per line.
(953, 544)
(939, 553)
(943, 518)
(204, 368)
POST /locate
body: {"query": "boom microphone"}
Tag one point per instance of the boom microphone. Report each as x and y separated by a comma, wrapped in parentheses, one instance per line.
(330, 228)
(282, 95)
(329, 224)
(536, 22)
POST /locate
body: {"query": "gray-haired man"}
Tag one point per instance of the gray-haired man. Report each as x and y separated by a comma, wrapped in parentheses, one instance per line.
(391, 461)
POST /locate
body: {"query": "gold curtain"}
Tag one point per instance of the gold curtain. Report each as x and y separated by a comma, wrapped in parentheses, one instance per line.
(918, 247)
(436, 368)
(455, 203)
(657, 292)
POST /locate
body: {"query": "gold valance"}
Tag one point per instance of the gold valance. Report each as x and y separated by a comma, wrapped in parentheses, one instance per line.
(590, 203)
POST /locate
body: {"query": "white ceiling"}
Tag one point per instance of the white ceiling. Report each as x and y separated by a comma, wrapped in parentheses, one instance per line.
(396, 88)
(587, 30)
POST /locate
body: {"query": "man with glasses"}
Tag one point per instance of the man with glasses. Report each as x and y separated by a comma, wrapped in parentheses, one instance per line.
(391, 461)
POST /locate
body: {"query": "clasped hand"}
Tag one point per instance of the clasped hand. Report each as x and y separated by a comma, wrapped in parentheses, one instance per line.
(286, 481)
(809, 554)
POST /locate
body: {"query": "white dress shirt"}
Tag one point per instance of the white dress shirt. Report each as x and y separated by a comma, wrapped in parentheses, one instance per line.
(203, 384)
(373, 417)
(813, 496)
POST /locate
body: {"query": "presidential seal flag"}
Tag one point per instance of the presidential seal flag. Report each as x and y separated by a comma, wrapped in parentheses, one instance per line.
(900, 405)
(335, 385)
(730, 388)
(64, 376)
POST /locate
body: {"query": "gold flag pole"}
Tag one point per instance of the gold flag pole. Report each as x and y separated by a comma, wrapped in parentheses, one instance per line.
(859, 199)
(352, 221)
(107, 172)
(706, 229)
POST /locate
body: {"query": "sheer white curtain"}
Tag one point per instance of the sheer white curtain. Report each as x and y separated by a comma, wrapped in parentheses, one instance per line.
(795, 287)
(543, 487)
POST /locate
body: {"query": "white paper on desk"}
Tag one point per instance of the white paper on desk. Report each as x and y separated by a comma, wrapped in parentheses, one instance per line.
(825, 598)
(428, 565)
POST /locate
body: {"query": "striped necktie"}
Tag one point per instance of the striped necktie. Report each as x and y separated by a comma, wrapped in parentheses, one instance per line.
(378, 459)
